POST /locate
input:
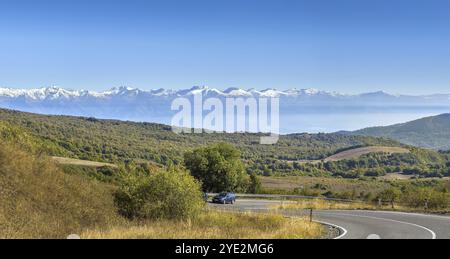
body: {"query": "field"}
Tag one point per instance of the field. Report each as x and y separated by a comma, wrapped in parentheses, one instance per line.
(216, 225)
(77, 162)
(358, 152)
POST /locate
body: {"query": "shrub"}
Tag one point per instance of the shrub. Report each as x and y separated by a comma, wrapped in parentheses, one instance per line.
(171, 194)
(255, 185)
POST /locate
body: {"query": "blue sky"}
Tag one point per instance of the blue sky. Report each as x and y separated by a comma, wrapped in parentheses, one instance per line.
(352, 46)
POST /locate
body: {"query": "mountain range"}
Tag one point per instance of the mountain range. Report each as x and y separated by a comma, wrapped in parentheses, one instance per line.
(54, 93)
(301, 110)
(57, 93)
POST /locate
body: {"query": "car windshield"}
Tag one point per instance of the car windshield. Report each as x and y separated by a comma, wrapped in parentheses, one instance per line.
(223, 194)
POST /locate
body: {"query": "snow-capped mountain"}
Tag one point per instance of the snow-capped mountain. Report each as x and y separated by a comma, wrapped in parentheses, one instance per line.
(9, 95)
(53, 93)
(56, 93)
(301, 105)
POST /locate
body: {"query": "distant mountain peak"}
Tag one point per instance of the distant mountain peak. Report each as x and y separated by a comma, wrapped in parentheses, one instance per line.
(379, 94)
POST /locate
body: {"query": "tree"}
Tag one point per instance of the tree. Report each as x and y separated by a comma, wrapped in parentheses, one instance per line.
(218, 167)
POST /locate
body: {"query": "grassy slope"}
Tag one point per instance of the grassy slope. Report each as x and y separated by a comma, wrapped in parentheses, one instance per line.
(39, 201)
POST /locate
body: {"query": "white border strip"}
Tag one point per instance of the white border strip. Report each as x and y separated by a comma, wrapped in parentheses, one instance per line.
(396, 221)
(409, 214)
(342, 230)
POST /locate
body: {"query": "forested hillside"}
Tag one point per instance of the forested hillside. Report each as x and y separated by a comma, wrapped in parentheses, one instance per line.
(430, 132)
(130, 142)
(114, 141)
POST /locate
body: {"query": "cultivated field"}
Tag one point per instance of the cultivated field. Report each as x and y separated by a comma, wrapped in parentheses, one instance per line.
(70, 161)
(357, 152)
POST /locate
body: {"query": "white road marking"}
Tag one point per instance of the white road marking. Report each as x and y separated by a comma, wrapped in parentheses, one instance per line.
(343, 230)
(373, 236)
(73, 236)
(433, 235)
(409, 214)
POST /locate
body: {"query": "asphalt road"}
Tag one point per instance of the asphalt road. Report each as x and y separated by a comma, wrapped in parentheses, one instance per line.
(357, 224)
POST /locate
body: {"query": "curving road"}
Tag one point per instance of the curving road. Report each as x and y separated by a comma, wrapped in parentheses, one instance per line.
(358, 224)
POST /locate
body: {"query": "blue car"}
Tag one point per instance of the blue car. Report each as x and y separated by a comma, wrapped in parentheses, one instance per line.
(225, 198)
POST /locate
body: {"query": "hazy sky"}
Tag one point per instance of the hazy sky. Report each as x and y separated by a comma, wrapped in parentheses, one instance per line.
(352, 46)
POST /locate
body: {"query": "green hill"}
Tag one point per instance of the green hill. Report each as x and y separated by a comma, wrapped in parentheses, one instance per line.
(121, 141)
(147, 145)
(430, 132)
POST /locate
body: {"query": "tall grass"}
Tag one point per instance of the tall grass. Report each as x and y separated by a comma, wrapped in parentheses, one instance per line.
(320, 204)
(37, 200)
(215, 225)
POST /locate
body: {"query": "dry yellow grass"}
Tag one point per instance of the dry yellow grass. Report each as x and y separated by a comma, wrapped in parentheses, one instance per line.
(37, 200)
(332, 205)
(319, 204)
(216, 225)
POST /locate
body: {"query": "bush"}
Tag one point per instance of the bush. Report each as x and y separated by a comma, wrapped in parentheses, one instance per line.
(171, 194)
(255, 185)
